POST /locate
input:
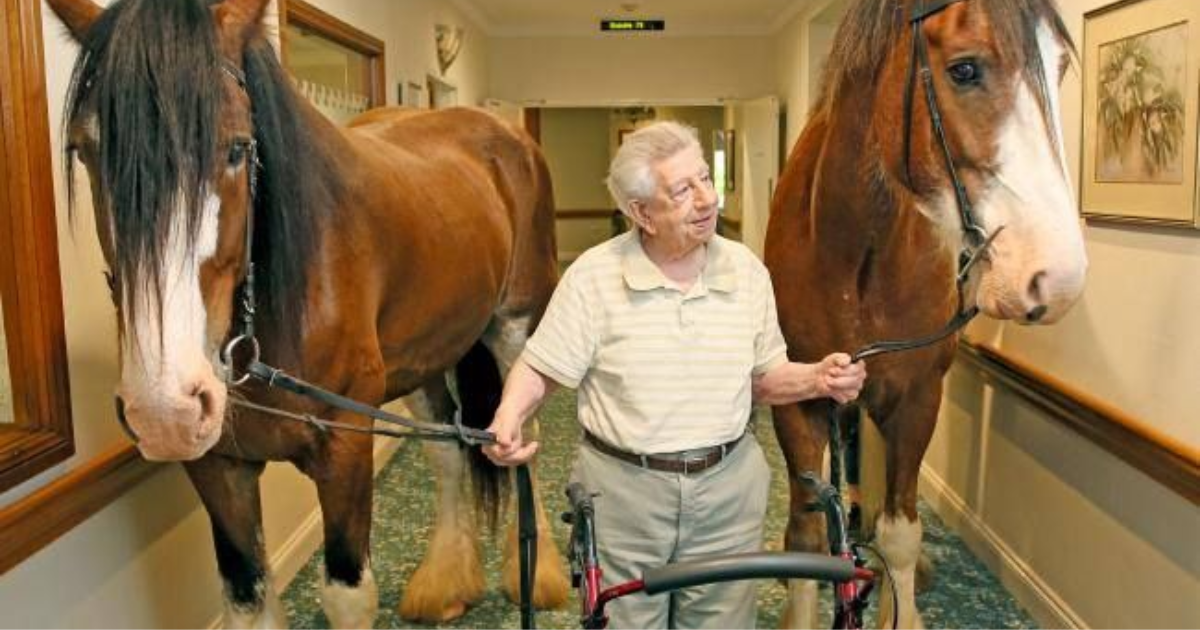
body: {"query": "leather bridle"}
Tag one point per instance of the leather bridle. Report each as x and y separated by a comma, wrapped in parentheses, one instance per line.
(976, 239)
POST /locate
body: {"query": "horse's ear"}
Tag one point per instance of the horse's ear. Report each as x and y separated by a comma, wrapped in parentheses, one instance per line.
(237, 20)
(77, 15)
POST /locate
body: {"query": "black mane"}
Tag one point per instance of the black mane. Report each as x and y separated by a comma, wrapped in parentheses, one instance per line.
(151, 72)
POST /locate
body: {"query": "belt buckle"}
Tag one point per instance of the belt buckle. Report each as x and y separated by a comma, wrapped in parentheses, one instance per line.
(699, 462)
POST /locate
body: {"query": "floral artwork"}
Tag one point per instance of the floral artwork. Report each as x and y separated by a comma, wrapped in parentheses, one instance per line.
(1140, 107)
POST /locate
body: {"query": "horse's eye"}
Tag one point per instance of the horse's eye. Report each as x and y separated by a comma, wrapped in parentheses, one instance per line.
(237, 154)
(965, 73)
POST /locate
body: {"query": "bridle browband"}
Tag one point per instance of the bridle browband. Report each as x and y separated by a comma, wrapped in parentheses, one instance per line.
(244, 334)
(976, 240)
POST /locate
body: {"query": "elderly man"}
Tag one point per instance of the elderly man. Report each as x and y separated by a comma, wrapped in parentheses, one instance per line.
(669, 332)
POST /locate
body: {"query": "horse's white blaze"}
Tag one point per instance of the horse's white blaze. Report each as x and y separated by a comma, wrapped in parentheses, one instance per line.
(899, 540)
(1039, 258)
(351, 606)
(160, 382)
(271, 615)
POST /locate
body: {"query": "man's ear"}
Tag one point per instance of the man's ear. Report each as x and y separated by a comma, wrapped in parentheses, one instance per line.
(640, 213)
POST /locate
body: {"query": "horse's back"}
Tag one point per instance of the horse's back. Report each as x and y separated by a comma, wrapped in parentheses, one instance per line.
(469, 196)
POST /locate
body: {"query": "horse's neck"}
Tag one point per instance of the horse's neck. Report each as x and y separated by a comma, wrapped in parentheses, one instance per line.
(856, 202)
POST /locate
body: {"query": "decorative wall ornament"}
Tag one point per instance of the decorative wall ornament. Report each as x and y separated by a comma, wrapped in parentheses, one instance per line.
(1140, 112)
(449, 42)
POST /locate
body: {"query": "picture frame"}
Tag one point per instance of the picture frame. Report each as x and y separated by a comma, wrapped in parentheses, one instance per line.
(1141, 98)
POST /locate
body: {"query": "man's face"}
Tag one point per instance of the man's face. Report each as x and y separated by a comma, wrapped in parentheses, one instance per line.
(682, 214)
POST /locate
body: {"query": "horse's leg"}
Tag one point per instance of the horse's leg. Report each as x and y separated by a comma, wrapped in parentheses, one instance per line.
(342, 470)
(229, 490)
(450, 576)
(803, 433)
(505, 338)
(907, 431)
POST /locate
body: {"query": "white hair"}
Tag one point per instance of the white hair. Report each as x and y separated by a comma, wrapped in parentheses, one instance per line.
(630, 177)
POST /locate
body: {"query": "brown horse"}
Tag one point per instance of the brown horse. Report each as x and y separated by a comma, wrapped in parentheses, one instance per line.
(387, 255)
(867, 224)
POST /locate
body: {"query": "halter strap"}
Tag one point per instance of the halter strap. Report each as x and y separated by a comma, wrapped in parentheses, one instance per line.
(974, 235)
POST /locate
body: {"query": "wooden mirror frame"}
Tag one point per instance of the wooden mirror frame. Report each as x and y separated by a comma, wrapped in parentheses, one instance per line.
(41, 435)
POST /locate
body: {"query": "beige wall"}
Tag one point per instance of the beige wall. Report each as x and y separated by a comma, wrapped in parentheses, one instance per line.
(576, 143)
(630, 69)
(801, 46)
(407, 29)
(146, 560)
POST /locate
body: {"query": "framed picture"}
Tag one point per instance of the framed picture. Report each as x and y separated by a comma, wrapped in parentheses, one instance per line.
(1141, 88)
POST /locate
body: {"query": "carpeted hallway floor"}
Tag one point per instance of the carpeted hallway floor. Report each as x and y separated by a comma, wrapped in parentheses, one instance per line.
(964, 594)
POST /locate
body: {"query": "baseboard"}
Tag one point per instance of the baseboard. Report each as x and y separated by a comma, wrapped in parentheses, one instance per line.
(1026, 586)
(294, 553)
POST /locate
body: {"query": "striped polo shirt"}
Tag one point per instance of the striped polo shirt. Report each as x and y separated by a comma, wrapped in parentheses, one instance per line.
(659, 370)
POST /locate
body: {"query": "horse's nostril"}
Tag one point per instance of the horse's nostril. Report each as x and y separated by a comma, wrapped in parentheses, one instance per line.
(208, 402)
(1036, 313)
(1036, 288)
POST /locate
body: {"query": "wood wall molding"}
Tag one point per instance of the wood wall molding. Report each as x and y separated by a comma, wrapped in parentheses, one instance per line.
(53, 510)
(1161, 457)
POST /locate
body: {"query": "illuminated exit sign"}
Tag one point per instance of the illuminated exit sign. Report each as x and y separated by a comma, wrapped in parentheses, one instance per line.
(632, 25)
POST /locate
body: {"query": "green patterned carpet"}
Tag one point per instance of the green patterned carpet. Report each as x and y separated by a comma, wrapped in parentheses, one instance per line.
(964, 593)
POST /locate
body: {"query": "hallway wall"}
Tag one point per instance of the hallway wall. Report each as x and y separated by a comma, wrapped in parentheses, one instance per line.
(630, 69)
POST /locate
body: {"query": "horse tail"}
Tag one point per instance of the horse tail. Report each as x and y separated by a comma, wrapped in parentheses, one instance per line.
(479, 390)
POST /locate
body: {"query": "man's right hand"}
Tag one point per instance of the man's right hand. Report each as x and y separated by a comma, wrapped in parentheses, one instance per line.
(509, 449)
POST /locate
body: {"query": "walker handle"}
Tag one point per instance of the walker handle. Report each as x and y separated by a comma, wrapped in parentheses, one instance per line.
(782, 564)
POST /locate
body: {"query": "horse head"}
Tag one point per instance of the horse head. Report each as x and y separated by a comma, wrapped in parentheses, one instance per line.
(994, 71)
(159, 115)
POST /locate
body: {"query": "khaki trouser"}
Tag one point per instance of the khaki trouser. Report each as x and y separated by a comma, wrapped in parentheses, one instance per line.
(647, 518)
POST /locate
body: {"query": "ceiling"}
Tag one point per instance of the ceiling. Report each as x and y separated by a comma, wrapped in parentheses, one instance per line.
(582, 17)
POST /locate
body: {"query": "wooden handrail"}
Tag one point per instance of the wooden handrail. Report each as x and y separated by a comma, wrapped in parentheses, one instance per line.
(1167, 460)
(39, 519)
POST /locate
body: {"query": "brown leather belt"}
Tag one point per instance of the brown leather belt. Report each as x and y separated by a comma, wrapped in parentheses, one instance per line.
(685, 462)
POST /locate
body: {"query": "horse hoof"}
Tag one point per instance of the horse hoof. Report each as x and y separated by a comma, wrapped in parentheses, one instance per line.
(453, 611)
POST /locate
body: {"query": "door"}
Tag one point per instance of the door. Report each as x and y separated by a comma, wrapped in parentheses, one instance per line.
(756, 163)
